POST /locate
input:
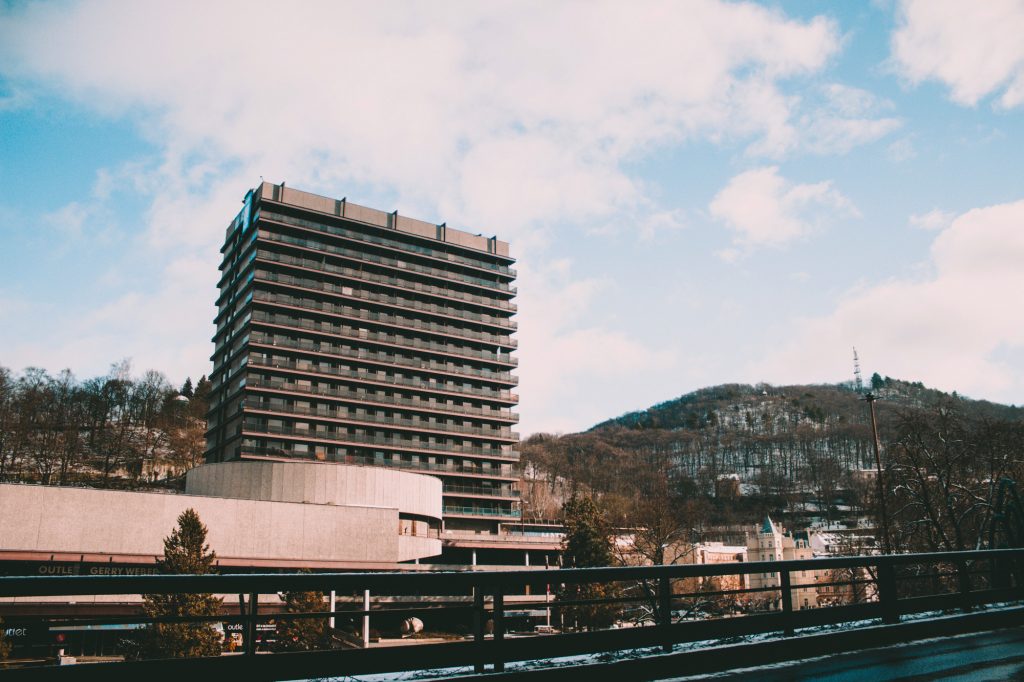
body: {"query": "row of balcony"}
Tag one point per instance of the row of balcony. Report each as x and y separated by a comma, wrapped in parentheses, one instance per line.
(313, 305)
(253, 427)
(341, 351)
(481, 511)
(337, 231)
(454, 489)
(320, 247)
(365, 335)
(343, 393)
(386, 280)
(396, 301)
(504, 473)
(447, 387)
(390, 421)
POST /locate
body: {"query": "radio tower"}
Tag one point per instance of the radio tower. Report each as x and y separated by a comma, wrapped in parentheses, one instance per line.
(869, 398)
(857, 380)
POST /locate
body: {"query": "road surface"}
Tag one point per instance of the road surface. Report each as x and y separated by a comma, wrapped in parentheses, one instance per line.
(997, 655)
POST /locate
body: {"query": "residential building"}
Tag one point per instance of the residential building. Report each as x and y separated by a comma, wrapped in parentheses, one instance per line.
(350, 335)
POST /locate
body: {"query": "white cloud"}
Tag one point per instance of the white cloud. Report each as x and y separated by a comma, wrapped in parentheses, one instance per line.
(849, 117)
(561, 349)
(934, 219)
(951, 329)
(762, 208)
(901, 150)
(975, 49)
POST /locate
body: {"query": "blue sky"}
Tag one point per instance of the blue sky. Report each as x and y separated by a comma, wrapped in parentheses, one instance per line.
(698, 192)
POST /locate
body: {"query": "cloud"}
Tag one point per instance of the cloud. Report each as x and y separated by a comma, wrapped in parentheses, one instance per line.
(953, 328)
(934, 219)
(565, 344)
(849, 117)
(762, 208)
(975, 50)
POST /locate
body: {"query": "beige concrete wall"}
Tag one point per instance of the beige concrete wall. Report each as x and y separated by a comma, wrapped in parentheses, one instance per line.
(84, 520)
(319, 483)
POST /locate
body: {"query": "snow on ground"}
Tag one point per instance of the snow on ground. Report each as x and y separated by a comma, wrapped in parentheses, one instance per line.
(629, 654)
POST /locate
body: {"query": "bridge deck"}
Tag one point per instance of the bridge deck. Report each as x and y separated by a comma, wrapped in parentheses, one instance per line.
(975, 657)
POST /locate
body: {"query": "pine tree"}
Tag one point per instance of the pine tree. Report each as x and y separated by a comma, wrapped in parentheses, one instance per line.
(303, 634)
(185, 551)
(186, 388)
(587, 544)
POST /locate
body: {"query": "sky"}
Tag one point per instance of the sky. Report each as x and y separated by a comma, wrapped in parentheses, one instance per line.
(697, 192)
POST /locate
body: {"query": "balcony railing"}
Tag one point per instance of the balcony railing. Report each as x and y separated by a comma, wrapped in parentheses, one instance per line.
(482, 511)
(388, 243)
(320, 247)
(381, 337)
(338, 350)
(353, 417)
(255, 428)
(454, 489)
(397, 282)
(313, 305)
(377, 378)
(373, 397)
(505, 472)
(397, 301)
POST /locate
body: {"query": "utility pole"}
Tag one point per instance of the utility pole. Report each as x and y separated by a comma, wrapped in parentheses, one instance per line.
(870, 398)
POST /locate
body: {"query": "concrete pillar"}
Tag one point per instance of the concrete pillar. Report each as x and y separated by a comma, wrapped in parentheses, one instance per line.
(527, 557)
(472, 561)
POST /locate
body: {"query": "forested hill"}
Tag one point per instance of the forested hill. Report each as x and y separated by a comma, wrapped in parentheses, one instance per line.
(765, 408)
(776, 438)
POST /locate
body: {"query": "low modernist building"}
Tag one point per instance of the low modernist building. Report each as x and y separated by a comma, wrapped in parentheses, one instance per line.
(259, 515)
(354, 336)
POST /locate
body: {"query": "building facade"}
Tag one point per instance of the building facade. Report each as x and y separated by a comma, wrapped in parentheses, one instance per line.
(354, 336)
(772, 542)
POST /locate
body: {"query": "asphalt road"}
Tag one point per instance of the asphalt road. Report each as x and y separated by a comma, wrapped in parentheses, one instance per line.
(997, 655)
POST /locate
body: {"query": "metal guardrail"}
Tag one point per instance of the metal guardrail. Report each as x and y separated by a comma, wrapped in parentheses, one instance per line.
(961, 581)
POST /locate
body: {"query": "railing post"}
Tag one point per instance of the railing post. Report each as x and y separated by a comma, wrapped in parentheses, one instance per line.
(787, 603)
(887, 593)
(479, 621)
(665, 612)
(366, 619)
(499, 629)
(964, 580)
(250, 625)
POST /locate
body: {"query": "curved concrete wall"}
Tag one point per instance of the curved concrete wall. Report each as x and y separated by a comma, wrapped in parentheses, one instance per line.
(319, 483)
(132, 525)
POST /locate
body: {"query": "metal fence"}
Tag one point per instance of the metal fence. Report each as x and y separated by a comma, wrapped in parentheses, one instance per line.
(487, 615)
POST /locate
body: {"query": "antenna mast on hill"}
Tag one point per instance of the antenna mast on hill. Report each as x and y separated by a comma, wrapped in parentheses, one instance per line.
(869, 398)
(857, 380)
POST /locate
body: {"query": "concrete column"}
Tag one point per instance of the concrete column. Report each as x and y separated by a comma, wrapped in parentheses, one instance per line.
(332, 609)
(527, 557)
(472, 561)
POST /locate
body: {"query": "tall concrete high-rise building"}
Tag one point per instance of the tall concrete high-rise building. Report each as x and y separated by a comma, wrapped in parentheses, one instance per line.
(351, 335)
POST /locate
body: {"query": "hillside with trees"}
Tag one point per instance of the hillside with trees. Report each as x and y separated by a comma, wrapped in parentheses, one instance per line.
(115, 430)
(728, 454)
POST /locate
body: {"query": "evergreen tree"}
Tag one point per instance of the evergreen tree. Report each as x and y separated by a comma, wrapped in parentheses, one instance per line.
(186, 388)
(303, 634)
(877, 381)
(587, 544)
(185, 551)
